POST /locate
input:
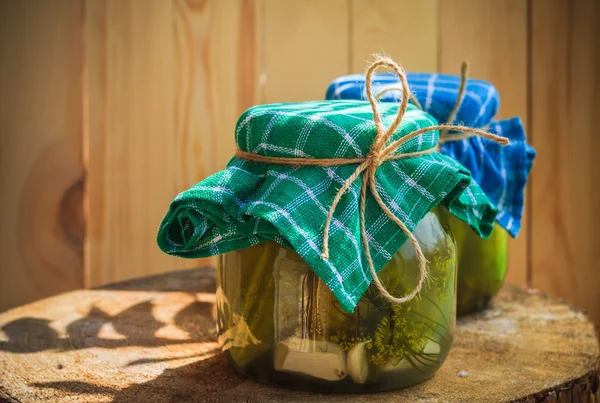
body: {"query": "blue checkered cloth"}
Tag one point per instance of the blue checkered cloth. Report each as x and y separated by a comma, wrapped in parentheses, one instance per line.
(501, 172)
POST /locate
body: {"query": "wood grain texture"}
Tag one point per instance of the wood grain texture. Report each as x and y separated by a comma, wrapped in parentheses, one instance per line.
(566, 199)
(166, 82)
(153, 340)
(41, 173)
(217, 79)
(492, 37)
(304, 46)
(407, 31)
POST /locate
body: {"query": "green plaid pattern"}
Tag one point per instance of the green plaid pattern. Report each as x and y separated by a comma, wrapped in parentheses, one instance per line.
(251, 202)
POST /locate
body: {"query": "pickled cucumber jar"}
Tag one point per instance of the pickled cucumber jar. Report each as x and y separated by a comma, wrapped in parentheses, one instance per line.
(279, 324)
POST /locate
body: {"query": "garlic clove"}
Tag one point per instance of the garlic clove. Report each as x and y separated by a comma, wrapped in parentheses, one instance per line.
(357, 363)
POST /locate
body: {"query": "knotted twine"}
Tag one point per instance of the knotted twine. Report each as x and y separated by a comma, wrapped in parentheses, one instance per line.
(379, 153)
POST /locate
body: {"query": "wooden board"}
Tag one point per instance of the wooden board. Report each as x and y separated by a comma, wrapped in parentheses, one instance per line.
(304, 46)
(165, 84)
(153, 340)
(492, 37)
(41, 173)
(407, 31)
(566, 198)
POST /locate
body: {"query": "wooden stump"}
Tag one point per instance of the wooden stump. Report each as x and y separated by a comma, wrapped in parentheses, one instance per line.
(153, 340)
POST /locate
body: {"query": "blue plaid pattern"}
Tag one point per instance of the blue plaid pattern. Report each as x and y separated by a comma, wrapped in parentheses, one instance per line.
(501, 172)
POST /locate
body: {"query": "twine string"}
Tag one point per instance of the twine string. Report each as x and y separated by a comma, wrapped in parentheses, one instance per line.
(379, 153)
(464, 76)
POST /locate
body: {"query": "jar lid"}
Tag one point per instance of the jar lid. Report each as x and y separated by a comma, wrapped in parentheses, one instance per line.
(436, 93)
(251, 202)
(502, 172)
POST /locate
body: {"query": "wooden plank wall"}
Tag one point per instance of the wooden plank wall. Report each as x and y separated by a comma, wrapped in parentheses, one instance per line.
(292, 48)
(565, 102)
(381, 27)
(165, 83)
(41, 172)
(154, 88)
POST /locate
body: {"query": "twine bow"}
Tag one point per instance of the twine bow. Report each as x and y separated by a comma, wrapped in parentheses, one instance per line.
(379, 153)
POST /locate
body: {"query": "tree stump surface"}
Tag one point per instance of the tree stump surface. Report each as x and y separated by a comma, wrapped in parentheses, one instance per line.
(153, 340)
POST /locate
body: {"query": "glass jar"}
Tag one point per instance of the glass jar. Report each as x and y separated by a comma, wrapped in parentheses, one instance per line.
(482, 265)
(279, 324)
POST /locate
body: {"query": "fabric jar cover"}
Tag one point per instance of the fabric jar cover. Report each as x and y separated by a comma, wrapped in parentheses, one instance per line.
(501, 172)
(249, 202)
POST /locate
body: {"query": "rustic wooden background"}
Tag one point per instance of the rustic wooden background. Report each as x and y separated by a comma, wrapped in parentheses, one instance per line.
(109, 108)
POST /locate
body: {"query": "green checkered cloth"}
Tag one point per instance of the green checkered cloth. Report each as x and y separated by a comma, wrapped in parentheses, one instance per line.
(250, 202)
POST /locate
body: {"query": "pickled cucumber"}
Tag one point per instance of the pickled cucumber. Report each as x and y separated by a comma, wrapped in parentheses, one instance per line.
(245, 301)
